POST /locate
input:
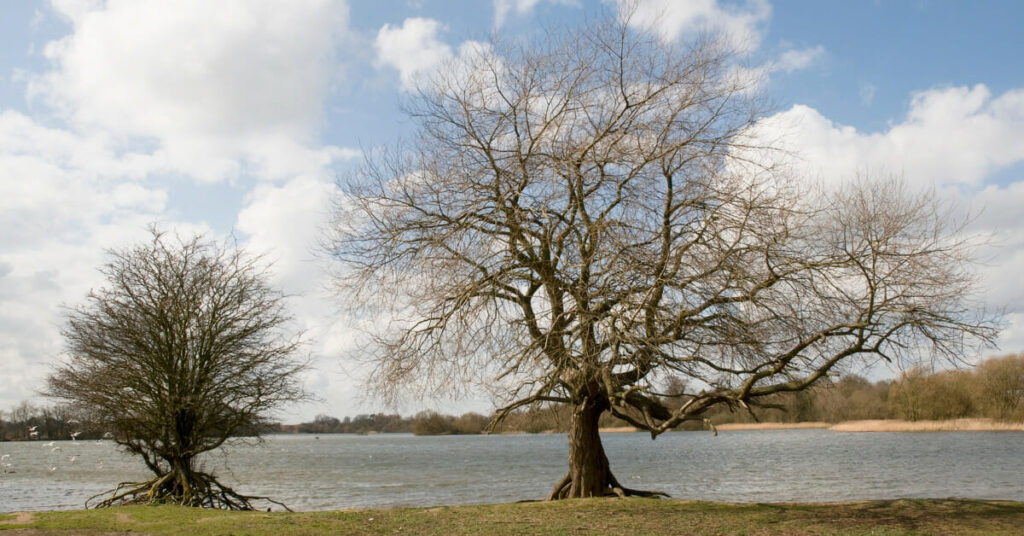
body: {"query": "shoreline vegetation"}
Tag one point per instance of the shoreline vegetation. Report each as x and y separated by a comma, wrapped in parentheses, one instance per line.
(579, 516)
(989, 397)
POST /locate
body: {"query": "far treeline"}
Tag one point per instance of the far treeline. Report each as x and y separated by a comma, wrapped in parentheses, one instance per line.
(994, 389)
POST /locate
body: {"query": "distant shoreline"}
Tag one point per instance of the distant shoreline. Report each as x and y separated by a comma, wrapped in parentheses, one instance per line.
(874, 425)
(952, 425)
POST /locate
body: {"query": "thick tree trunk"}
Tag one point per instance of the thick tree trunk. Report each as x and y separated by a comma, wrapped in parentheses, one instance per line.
(588, 465)
(589, 474)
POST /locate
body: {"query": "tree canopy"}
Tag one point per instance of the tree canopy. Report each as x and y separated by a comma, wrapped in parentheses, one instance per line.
(583, 218)
(184, 347)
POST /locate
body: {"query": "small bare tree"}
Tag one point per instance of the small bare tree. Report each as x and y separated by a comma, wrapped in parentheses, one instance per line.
(586, 218)
(181, 350)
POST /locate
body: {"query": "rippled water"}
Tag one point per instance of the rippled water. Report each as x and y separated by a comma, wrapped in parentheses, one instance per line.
(345, 471)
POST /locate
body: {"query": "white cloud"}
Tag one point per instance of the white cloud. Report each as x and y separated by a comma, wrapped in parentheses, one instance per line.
(798, 59)
(738, 25)
(950, 136)
(952, 139)
(64, 198)
(284, 223)
(414, 49)
(208, 83)
(502, 8)
(143, 93)
(416, 52)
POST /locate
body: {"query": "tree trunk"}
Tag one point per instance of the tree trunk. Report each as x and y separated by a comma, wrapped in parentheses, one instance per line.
(588, 466)
(589, 474)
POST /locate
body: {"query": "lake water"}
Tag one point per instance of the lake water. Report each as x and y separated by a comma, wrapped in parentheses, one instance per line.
(347, 471)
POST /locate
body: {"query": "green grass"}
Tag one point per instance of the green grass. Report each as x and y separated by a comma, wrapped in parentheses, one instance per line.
(591, 516)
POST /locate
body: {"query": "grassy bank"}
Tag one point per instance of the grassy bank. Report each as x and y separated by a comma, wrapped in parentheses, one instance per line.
(595, 516)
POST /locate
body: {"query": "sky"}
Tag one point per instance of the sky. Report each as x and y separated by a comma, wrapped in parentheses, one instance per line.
(237, 117)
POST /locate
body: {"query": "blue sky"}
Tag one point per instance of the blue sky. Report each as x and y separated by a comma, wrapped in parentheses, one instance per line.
(237, 116)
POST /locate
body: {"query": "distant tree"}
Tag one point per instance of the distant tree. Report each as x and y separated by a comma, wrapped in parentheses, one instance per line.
(908, 395)
(918, 395)
(1001, 382)
(580, 218)
(852, 398)
(429, 422)
(326, 423)
(182, 349)
(470, 423)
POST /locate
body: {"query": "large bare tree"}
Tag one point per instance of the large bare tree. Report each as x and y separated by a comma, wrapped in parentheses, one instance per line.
(182, 349)
(586, 217)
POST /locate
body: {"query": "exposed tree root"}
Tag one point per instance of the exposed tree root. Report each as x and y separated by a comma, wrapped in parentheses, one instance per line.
(563, 489)
(196, 489)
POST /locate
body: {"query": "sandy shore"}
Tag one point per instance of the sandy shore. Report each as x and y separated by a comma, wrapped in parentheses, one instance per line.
(771, 425)
(954, 425)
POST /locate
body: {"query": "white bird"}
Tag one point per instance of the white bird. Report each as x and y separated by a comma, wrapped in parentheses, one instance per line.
(5, 457)
(72, 459)
(54, 468)
(32, 428)
(50, 444)
(33, 433)
(74, 435)
(55, 449)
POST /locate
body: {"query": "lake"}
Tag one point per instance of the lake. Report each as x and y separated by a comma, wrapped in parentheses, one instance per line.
(348, 471)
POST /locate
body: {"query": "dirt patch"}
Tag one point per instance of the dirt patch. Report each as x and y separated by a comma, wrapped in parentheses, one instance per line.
(20, 518)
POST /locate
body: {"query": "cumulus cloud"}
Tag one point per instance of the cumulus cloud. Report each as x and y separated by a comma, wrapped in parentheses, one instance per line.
(413, 48)
(950, 136)
(64, 198)
(502, 8)
(738, 25)
(953, 140)
(416, 52)
(283, 224)
(139, 95)
(210, 84)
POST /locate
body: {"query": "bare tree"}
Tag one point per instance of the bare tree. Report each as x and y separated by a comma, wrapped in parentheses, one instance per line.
(1002, 386)
(584, 218)
(182, 349)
